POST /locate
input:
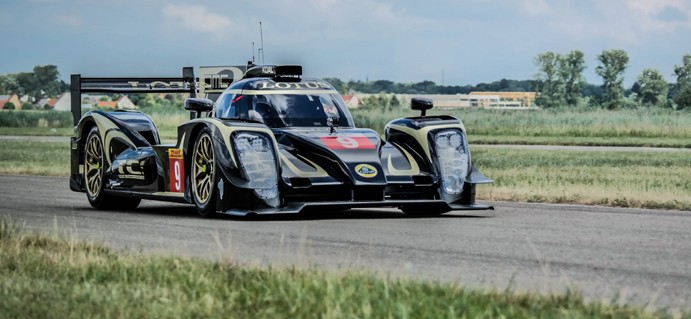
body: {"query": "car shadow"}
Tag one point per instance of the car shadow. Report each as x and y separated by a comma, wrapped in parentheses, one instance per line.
(188, 211)
(351, 214)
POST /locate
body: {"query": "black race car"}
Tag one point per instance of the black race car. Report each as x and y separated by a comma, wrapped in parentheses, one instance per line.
(272, 142)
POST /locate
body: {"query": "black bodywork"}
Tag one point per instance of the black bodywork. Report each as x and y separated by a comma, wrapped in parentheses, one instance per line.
(322, 165)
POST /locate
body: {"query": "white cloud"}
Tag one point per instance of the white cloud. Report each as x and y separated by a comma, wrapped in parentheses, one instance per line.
(197, 17)
(622, 22)
(649, 13)
(68, 19)
(535, 7)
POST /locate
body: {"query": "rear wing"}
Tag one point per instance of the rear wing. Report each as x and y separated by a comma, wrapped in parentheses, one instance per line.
(211, 82)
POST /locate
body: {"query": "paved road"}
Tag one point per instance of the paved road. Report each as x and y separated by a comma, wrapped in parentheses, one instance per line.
(642, 255)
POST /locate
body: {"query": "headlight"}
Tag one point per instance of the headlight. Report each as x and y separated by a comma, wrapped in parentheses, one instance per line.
(257, 161)
(453, 160)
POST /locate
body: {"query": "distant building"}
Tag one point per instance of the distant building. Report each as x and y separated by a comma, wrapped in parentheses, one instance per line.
(63, 102)
(516, 100)
(512, 99)
(14, 99)
(106, 104)
(352, 101)
(124, 103)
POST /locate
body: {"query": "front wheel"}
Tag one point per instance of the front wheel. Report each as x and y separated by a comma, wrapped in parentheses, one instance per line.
(94, 159)
(204, 174)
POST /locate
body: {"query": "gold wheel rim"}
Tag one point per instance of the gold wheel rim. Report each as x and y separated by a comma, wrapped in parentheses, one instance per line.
(203, 169)
(93, 165)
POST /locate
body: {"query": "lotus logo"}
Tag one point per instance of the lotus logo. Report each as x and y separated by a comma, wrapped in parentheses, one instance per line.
(366, 170)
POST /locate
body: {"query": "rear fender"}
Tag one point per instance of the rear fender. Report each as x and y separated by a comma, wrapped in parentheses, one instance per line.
(119, 131)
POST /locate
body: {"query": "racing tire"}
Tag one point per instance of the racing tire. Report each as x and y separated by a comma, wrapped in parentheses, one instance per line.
(204, 177)
(417, 211)
(94, 159)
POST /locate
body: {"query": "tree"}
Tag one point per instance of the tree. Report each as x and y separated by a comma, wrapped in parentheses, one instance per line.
(42, 82)
(651, 88)
(9, 106)
(46, 80)
(683, 87)
(548, 82)
(614, 63)
(571, 67)
(394, 103)
(8, 84)
(683, 98)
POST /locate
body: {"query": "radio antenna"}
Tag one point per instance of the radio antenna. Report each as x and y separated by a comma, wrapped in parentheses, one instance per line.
(252, 52)
(261, 36)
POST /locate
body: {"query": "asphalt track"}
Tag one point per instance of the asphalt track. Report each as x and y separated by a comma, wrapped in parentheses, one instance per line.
(621, 255)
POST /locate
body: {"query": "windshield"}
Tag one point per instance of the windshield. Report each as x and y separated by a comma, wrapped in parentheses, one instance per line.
(285, 110)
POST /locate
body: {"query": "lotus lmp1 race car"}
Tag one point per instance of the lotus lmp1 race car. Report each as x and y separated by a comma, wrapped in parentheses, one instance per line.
(272, 142)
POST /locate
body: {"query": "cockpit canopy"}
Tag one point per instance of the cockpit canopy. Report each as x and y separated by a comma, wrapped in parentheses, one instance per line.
(304, 103)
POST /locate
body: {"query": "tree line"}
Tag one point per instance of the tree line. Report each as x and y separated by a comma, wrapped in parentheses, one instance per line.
(427, 87)
(43, 82)
(560, 82)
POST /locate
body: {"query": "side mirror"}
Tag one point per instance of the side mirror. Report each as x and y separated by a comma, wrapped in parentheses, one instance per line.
(198, 105)
(421, 104)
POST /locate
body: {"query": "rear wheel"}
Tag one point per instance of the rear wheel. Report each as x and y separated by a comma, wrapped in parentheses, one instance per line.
(94, 159)
(204, 174)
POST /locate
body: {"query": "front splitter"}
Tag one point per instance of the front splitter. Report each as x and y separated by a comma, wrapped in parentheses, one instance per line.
(298, 207)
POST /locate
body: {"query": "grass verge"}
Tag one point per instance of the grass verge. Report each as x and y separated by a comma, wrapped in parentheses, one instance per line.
(34, 158)
(660, 180)
(50, 277)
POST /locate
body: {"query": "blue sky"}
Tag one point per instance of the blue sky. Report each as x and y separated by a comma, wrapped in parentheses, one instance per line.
(469, 41)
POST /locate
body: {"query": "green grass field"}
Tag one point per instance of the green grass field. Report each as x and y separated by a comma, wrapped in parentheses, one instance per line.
(47, 276)
(35, 158)
(630, 127)
(624, 179)
(656, 128)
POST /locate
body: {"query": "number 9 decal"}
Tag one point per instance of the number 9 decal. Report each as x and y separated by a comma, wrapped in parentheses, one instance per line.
(177, 171)
(178, 182)
(347, 142)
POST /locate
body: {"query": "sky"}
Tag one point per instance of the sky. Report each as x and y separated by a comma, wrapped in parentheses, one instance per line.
(449, 42)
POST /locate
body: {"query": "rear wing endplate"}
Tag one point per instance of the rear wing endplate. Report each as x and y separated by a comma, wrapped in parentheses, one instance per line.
(212, 80)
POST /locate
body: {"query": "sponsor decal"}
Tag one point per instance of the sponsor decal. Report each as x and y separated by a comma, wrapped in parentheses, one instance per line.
(177, 170)
(130, 169)
(220, 188)
(127, 176)
(159, 85)
(366, 170)
(305, 85)
(215, 79)
(344, 142)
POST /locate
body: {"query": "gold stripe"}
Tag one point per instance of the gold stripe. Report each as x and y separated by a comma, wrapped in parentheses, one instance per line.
(171, 194)
(318, 173)
(414, 168)
(108, 131)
